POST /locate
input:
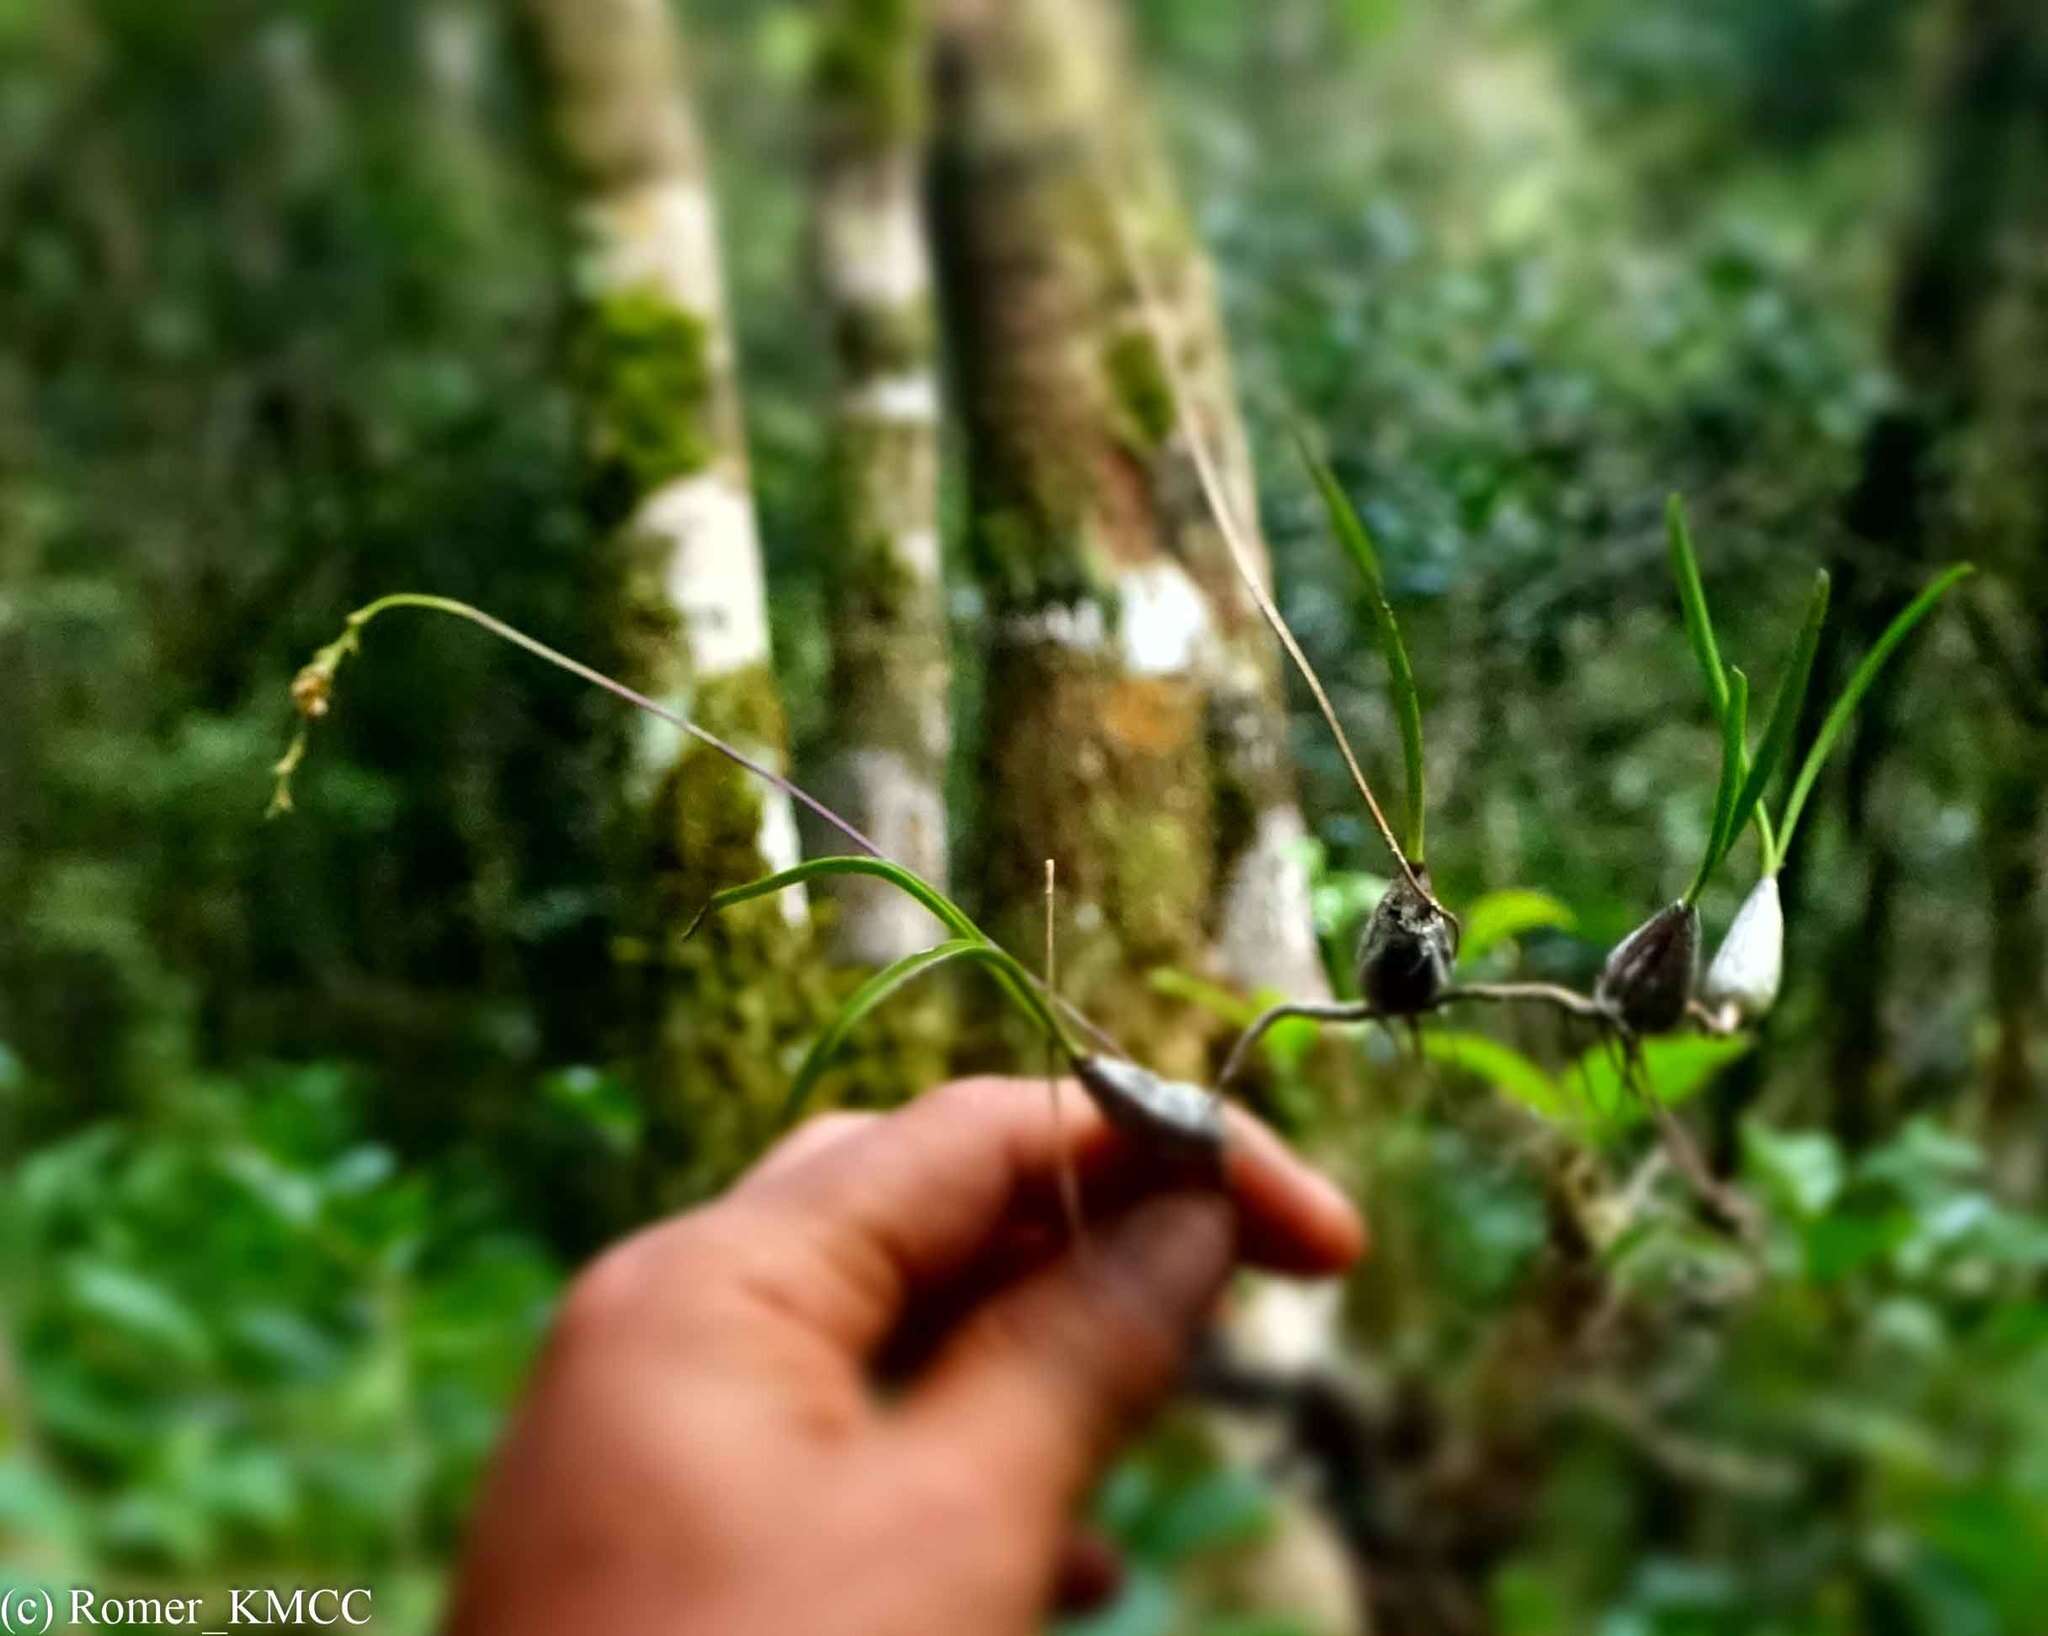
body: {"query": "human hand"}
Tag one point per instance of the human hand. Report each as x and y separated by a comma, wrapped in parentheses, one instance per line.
(861, 1394)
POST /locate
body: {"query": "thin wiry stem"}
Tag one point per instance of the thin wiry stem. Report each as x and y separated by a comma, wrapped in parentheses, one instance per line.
(1553, 994)
(311, 689)
(1355, 1011)
(597, 678)
(1359, 1011)
(1241, 555)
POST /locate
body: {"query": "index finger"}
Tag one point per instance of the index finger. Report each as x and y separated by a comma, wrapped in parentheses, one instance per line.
(904, 1203)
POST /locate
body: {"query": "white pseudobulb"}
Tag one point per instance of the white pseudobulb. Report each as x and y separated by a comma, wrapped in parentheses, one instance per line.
(1751, 960)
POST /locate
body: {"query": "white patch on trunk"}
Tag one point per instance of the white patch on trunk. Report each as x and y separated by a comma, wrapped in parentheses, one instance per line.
(871, 235)
(660, 235)
(1078, 626)
(919, 551)
(910, 398)
(713, 578)
(1267, 935)
(905, 815)
(1163, 623)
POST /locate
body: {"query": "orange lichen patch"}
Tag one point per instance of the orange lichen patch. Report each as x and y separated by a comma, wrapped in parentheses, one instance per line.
(1151, 715)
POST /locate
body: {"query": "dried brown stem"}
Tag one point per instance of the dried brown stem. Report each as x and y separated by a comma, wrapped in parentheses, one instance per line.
(1241, 555)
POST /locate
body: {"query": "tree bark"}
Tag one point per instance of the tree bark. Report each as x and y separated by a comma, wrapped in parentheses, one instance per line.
(1902, 504)
(1265, 926)
(656, 382)
(891, 724)
(1094, 751)
(1138, 734)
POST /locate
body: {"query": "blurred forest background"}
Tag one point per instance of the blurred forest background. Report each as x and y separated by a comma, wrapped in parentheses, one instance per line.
(305, 1122)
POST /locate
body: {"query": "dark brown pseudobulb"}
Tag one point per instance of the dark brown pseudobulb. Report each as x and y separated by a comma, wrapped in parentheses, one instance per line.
(1650, 975)
(1405, 956)
(1181, 1123)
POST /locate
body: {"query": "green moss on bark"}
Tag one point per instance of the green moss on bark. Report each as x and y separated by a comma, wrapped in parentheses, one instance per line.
(869, 67)
(1139, 389)
(874, 339)
(643, 368)
(731, 1009)
(1103, 772)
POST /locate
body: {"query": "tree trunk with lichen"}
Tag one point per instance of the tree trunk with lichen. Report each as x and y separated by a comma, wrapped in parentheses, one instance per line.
(1265, 927)
(891, 727)
(655, 380)
(1138, 735)
(1903, 506)
(1094, 742)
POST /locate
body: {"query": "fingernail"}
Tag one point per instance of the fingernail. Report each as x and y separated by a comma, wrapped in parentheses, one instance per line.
(1174, 1251)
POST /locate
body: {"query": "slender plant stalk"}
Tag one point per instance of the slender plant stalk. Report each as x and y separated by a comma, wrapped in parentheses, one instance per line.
(1351, 532)
(315, 681)
(1240, 553)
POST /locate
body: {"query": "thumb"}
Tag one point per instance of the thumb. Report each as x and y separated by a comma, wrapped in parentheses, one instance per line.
(1039, 1383)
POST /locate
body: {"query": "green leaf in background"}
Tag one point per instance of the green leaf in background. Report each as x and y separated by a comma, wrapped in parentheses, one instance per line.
(1225, 1506)
(1494, 918)
(1852, 695)
(139, 1309)
(1674, 1068)
(1501, 1066)
(1350, 530)
(1214, 998)
(1146, 1606)
(1802, 1171)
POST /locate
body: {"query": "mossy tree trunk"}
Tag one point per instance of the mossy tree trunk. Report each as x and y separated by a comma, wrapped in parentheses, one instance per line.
(1136, 731)
(1094, 745)
(1902, 509)
(891, 724)
(655, 378)
(1264, 924)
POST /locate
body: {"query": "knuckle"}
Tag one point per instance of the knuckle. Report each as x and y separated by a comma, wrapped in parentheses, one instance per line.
(602, 1297)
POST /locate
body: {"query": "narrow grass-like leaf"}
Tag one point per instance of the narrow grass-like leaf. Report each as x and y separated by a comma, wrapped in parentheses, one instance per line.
(1734, 755)
(1692, 599)
(942, 907)
(1351, 533)
(1699, 630)
(1015, 981)
(1494, 917)
(1214, 998)
(882, 984)
(1852, 695)
(1777, 739)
